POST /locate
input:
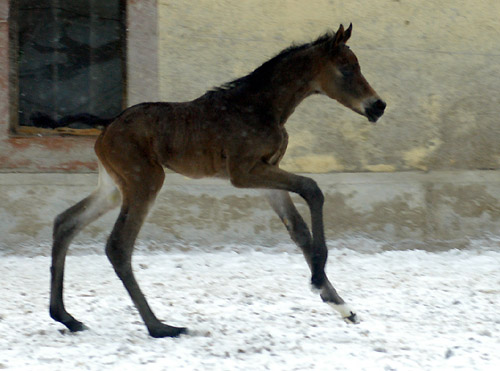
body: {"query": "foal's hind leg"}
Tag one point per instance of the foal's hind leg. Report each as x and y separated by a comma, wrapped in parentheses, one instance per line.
(66, 226)
(282, 204)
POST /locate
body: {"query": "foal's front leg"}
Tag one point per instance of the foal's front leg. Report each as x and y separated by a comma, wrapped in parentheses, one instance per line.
(119, 251)
(138, 194)
(245, 174)
(283, 205)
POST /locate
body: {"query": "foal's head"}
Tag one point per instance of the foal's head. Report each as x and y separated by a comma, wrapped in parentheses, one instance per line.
(340, 78)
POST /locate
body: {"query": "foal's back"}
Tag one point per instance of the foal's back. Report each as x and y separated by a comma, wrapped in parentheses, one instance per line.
(195, 138)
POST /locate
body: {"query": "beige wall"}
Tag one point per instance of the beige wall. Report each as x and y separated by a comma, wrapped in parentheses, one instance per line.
(437, 63)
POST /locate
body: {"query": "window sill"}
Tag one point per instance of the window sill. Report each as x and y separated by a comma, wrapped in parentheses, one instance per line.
(30, 131)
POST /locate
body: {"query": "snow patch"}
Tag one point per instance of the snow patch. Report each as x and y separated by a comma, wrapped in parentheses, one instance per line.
(254, 310)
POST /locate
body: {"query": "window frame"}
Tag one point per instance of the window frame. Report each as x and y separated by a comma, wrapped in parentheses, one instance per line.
(17, 130)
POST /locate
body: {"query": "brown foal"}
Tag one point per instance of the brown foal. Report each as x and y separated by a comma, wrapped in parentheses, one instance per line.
(235, 132)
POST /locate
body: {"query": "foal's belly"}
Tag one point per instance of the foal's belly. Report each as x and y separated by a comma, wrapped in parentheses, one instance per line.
(197, 164)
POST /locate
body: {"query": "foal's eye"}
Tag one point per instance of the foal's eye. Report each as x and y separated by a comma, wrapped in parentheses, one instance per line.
(347, 71)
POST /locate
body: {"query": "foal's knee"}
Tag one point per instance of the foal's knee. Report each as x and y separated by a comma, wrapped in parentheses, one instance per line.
(117, 256)
(300, 234)
(319, 257)
(112, 251)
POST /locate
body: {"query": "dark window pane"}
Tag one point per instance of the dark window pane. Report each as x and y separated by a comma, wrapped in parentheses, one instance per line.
(70, 61)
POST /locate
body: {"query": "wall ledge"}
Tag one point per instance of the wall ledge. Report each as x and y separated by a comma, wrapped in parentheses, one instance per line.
(404, 210)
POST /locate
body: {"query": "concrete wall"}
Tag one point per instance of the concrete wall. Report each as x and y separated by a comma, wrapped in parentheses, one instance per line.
(437, 63)
(398, 211)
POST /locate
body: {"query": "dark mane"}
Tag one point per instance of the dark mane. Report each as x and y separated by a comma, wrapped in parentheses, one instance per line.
(261, 75)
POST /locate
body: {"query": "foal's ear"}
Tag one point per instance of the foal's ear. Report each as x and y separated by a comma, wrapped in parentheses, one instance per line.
(340, 37)
(347, 33)
(337, 38)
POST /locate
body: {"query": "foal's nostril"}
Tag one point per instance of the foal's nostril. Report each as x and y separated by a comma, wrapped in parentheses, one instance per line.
(375, 110)
(380, 105)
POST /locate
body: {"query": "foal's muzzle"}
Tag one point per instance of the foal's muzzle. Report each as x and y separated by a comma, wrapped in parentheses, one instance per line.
(374, 110)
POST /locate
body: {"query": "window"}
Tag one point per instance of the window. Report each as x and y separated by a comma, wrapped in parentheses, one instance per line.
(68, 65)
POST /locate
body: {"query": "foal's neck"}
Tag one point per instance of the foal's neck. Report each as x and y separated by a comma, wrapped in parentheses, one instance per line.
(275, 95)
(293, 83)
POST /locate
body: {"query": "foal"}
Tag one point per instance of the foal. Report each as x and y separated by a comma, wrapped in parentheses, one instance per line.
(235, 132)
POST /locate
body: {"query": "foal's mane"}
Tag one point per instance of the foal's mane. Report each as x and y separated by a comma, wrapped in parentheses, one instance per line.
(261, 75)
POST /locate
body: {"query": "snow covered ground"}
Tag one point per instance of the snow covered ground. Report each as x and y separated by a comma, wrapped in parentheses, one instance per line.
(254, 311)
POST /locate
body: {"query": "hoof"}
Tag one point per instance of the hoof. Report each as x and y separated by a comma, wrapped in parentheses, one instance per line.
(74, 329)
(67, 320)
(76, 326)
(167, 331)
(353, 319)
(346, 312)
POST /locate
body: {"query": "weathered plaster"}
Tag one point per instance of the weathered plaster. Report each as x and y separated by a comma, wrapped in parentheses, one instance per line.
(435, 62)
(399, 210)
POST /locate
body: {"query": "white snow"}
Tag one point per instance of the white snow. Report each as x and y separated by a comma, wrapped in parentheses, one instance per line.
(254, 311)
